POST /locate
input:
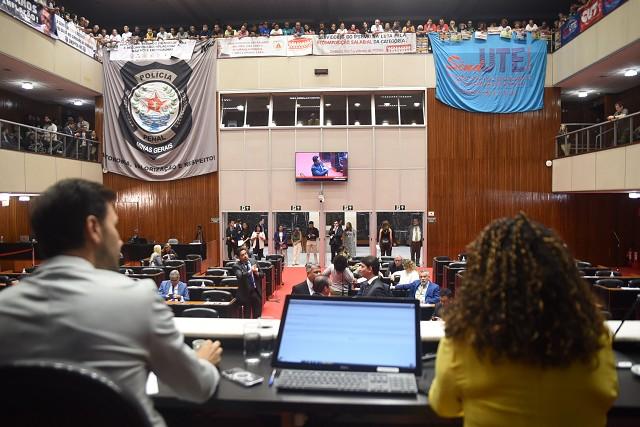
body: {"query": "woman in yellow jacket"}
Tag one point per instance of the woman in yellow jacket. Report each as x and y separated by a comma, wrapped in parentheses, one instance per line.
(524, 342)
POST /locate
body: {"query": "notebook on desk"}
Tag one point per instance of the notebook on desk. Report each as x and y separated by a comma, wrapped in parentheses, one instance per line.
(364, 345)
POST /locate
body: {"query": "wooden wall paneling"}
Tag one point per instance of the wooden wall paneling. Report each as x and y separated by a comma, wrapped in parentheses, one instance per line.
(14, 220)
(166, 209)
(484, 166)
(99, 122)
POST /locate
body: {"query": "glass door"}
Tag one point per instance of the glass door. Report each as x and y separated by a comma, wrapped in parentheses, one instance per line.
(244, 224)
(300, 250)
(396, 235)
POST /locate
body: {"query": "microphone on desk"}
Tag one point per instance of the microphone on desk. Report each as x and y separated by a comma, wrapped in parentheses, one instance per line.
(626, 316)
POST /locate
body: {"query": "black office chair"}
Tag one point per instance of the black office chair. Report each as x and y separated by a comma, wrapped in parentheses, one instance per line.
(463, 256)
(200, 282)
(610, 283)
(386, 259)
(274, 258)
(195, 293)
(173, 263)
(217, 295)
(633, 283)
(193, 256)
(216, 272)
(264, 264)
(229, 263)
(151, 270)
(144, 262)
(229, 281)
(583, 264)
(50, 393)
(607, 273)
(458, 265)
(200, 312)
(441, 258)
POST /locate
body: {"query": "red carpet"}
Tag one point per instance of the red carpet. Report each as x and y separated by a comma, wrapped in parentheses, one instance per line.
(291, 276)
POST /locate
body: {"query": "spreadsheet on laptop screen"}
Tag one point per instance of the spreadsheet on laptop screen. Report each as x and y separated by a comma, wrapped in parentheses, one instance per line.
(326, 332)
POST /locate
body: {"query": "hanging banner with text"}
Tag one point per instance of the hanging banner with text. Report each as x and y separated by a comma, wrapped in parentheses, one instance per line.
(236, 47)
(590, 13)
(360, 44)
(31, 13)
(609, 6)
(151, 51)
(69, 34)
(159, 118)
(496, 75)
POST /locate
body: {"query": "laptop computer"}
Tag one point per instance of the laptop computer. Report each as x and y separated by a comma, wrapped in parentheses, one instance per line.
(362, 345)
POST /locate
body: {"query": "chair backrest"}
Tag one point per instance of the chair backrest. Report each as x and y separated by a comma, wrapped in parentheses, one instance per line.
(144, 262)
(200, 312)
(386, 259)
(173, 263)
(200, 282)
(275, 257)
(633, 283)
(229, 263)
(583, 264)
(463, 256)
(193, 256)
(264, 264)
(606, 273)
(61, 393)
(216, 272)
(442, 258)
(610, 283)
(151, 270)
(458, 265)
(173, 241)
(217, 295)
(229, 281)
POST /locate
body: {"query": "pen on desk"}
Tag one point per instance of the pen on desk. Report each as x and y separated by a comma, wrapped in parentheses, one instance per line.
(272, 377)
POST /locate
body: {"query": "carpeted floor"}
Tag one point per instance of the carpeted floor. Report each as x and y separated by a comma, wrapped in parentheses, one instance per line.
(291, 276)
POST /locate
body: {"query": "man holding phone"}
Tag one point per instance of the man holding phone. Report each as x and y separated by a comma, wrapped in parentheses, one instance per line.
(173, 288)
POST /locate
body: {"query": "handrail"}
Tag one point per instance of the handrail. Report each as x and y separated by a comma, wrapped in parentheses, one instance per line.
(33, 139)
(607, 134)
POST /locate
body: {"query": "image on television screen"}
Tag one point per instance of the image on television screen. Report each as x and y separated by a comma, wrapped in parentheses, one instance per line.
(322, 166)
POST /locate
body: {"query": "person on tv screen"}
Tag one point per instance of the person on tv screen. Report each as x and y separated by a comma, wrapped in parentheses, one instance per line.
(318, 168)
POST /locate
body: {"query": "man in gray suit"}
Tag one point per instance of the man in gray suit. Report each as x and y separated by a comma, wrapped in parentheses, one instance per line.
(77, 307)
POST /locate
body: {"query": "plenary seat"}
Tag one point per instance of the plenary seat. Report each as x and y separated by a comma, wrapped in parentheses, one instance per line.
(217, 295)
(607, 273)
(229, 281)
(610, 283)
(151, 270)
(200, 282)
(216, 272)
(200, 312)
(633, 283)
(55, 393)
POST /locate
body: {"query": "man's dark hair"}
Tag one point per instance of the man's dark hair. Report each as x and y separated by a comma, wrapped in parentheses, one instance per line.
(310, 222)
(240, 249)
(315, 158)
(372, 262)
(58, 216)
(319, 283)
(340, 262)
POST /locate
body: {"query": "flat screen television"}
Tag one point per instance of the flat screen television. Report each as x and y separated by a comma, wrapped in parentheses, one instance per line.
(322, 166)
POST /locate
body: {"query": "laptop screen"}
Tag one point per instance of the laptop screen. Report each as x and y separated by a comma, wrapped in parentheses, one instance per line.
(349, 334)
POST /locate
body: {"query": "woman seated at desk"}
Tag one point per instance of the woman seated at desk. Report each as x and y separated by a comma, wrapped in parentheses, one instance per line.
(155, 259)
(524, 342)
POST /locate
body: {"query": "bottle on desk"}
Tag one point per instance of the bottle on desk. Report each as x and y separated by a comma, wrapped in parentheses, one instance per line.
(612, 275)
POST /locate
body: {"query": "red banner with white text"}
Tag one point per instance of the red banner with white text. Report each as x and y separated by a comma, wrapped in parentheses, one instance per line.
(590, 13)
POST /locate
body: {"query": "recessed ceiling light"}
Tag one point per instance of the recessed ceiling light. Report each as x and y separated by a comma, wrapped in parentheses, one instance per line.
(27, 85)
(240, 107)
(327, 105)
(630, 73)
(356, 104)
(634, 195)
(24, 198)
(416, 104)
(582, 94)
(77, 102)
(357, 123)
(386, 104)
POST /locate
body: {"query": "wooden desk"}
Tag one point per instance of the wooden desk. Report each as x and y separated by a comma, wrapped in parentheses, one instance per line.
(138, 251)
(224, 309)
(625, 279)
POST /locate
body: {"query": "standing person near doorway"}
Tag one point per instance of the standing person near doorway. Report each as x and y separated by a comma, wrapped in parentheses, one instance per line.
(230, 236)
(280, 240)
(257, 242)
(349, 239)
(335, 240)
(416, 241)
(385, 239)
(296, 241)
(312, 242)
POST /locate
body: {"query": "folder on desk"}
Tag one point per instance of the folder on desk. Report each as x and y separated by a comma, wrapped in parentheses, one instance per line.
(363, 345)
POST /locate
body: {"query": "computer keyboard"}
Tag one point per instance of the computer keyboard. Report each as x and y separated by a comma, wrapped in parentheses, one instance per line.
(350, 382)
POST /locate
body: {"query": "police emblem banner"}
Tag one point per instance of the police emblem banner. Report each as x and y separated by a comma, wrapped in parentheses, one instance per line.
(160, 116)
(496, 75)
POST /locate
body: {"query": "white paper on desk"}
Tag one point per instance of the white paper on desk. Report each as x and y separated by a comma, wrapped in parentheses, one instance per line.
(152, 384)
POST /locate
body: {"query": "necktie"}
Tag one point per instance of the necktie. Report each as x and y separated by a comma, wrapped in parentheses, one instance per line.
(250, 273)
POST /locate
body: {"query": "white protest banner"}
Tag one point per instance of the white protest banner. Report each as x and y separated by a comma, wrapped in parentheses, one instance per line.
(360, 44)
(237, 47)
(161, 49)
(69, 34)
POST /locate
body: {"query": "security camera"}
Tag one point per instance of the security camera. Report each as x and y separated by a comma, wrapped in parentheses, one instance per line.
(321, 198)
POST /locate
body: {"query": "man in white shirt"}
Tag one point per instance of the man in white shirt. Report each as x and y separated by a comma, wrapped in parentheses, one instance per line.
(276, 31)
(162, 34)
(76, 307)
(50, 138)
(416, 241)
(114, 38)
(377, 28)
(126, 34)
(531, 26)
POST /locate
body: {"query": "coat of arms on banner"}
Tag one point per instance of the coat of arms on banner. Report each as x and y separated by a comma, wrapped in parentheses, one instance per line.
(155, 113)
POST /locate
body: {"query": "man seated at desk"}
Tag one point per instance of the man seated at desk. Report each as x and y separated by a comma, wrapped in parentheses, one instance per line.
(318, 168)
(136, 238)
(168, 252)
(424, 290)
(174, 288)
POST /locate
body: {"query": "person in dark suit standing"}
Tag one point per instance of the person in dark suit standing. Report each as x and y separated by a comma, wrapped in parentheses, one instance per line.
(415, 233)
(335, 240)
(231, 239)
(306, 287)
(373, 287)
(249, 290)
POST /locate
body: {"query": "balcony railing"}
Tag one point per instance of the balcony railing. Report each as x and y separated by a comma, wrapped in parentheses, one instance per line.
(609, 134)
(30, 139)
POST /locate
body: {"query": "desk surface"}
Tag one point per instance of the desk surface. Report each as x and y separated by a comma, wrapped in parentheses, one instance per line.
(203, 304)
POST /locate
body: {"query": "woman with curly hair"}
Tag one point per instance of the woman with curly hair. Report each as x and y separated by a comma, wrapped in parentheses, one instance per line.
(524, 342)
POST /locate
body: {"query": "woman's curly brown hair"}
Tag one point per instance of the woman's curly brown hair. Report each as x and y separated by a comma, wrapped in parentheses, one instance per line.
(522, 298)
